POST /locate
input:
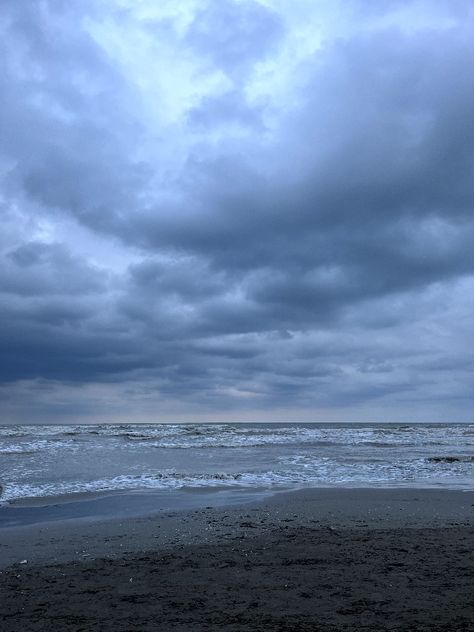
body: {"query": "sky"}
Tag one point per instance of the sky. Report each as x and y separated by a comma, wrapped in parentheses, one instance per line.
(236, 210)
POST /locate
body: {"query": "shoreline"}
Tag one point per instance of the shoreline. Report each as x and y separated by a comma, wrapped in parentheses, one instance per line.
(73, 497)
(75, 537)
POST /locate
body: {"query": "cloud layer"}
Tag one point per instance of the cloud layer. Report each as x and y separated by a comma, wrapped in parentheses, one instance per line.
(236, 210)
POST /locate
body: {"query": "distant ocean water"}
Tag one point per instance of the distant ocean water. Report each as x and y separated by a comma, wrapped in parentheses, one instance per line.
(51, 460)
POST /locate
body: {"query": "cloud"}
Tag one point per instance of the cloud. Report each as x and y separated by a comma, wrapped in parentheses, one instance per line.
(35, 269)
(235, 35)
(237, 206)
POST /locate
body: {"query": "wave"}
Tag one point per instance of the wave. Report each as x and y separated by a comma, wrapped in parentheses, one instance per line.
(37, 446)
(369, 441)
(158, 481)
(232, 434)
(294, 471)
(230, 446)
(7, 452)
(382, 444)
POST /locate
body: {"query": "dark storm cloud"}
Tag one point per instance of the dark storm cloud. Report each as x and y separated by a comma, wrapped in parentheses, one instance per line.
(381, 180)
(287, 258)
(39, 268)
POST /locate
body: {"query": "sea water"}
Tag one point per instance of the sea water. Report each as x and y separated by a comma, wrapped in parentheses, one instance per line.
(40, 461)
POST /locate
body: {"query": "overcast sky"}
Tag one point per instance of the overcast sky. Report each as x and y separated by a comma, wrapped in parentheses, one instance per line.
(236, 210)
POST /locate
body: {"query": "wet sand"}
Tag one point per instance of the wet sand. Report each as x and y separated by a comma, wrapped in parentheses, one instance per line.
(313, 560)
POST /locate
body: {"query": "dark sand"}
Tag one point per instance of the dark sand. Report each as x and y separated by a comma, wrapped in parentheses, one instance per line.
(312, 560)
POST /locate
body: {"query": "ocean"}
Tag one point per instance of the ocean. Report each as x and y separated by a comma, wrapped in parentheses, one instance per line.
(47, 461)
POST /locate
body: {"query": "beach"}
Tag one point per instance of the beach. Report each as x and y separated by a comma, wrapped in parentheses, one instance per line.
(237, 298)
(313, 559)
